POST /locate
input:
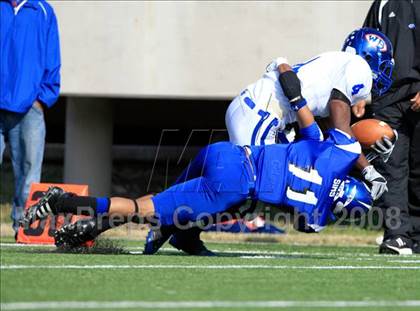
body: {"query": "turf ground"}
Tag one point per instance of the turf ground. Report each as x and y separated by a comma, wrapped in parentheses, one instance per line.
(244, 275)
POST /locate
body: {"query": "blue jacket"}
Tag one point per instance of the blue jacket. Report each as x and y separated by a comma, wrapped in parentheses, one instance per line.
(29, 55)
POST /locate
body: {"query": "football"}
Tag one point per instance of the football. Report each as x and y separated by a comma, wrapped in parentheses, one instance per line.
(370, 130)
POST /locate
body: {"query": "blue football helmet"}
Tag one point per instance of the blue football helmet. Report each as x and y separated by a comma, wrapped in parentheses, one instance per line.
(353, 196)
(376, 49)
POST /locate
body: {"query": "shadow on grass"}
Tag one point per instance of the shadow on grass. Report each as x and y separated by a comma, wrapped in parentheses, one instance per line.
(104, 246)
(101, 247)
(109, 247)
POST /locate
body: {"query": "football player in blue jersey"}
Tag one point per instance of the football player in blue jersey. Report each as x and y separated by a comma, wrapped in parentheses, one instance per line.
(310, 175)
(333, 83)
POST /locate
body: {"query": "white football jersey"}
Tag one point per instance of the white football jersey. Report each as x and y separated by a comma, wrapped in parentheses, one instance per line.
(346, 72)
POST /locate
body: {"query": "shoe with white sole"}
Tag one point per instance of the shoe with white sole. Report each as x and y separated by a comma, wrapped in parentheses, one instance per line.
(398, 245)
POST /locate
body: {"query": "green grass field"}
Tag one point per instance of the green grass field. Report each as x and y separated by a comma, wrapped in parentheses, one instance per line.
(244, 275)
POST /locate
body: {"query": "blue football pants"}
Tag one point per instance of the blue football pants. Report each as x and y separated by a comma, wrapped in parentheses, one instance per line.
(218, 178)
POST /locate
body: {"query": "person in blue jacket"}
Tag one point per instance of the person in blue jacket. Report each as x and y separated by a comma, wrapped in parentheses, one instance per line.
(29, 83)
(309, 175)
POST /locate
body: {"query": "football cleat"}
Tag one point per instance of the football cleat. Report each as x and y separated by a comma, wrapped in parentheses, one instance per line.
(398, 245)
(76, 234)
(189, 242)
(43, 208)
(156, 237)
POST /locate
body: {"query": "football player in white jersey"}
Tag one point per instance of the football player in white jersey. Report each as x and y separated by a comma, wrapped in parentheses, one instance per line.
(332, 83)
(261, 110)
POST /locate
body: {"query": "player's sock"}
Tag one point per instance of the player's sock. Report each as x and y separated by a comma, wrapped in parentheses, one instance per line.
(83, 205)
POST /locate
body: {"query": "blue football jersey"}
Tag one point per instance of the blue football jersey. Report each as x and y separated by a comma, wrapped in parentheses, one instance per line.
(303, 174)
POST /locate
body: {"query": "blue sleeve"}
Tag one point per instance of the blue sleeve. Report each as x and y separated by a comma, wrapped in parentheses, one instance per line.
(312, 132)
(344, 141)
(50, 84)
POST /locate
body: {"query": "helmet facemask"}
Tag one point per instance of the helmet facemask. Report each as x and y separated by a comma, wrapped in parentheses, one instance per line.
(376, 49)
(382, 79)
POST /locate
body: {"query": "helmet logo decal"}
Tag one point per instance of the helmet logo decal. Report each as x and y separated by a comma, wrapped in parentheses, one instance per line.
(350, 196)
(337, 189)
(376, 41)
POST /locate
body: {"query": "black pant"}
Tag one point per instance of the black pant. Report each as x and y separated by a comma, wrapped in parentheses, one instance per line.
(401, 204)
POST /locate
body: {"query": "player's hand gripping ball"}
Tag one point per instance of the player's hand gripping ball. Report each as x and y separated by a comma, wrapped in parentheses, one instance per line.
(368, 131)
(377, 136)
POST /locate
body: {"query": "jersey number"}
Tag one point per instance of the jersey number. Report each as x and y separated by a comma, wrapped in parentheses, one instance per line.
(311, 176)
(356, 88)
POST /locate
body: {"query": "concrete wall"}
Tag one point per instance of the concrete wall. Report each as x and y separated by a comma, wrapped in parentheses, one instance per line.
(191, 49)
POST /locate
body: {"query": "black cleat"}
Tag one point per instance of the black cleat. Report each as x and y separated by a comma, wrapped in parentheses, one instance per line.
(398, 245)
(43, 208)
(76, 234)
(156, 237)
(189, 242)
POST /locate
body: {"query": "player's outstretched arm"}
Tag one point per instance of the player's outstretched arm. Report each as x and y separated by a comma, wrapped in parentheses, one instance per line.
(340, 115)
(290, 84)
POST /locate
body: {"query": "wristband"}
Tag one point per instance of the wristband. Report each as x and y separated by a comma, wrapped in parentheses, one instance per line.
(296, 105)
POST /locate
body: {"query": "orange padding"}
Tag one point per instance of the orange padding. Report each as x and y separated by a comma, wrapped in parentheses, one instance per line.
(41, 232)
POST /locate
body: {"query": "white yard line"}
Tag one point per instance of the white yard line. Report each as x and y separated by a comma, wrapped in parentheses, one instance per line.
(360, 256)
(69, 305)
(260, 254)
(25, 245)
(259, 257)
(215, 267)
(226, 251)
(267, 252)
(405, 261)
(139, 249)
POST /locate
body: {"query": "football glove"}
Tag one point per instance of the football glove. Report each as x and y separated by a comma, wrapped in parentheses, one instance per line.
(276, 63)
(382, 148)
(376, 181)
